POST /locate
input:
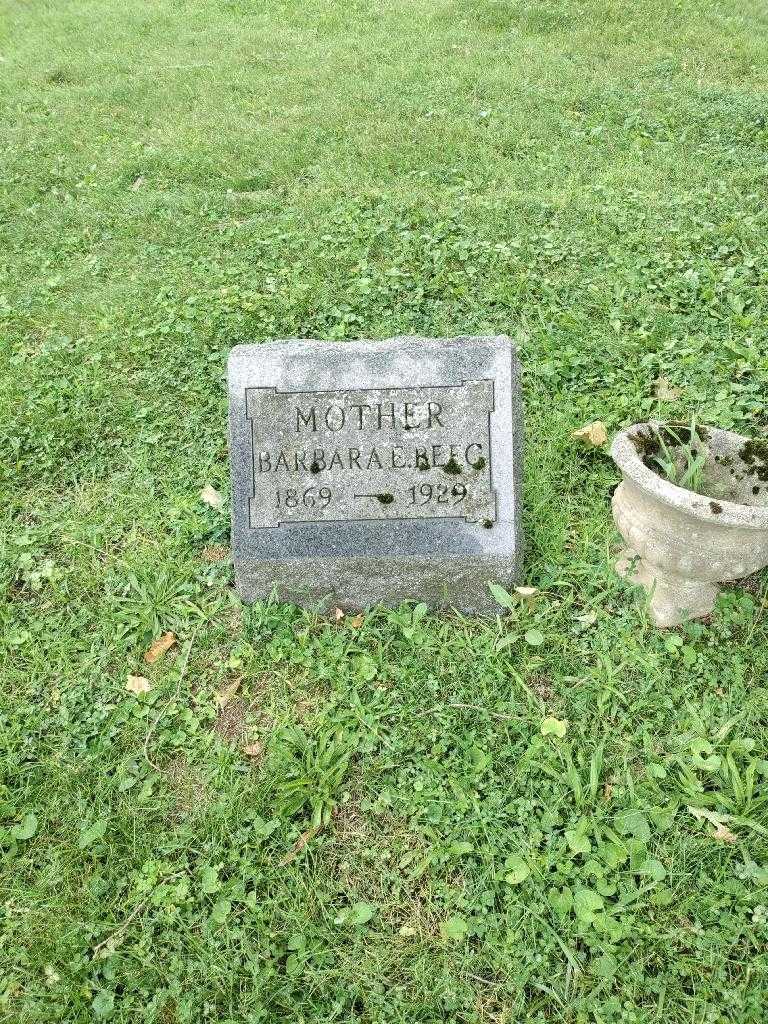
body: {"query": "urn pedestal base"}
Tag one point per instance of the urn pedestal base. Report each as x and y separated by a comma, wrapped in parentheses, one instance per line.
(682, 544)
(673, 600)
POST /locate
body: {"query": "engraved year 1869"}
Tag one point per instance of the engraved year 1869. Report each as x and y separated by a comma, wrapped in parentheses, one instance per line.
(311, 497)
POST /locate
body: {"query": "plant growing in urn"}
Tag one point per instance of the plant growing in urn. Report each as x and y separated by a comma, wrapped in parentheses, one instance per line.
(692, 507)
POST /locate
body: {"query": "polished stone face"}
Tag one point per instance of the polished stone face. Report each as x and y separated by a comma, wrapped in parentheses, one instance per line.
(371, 471)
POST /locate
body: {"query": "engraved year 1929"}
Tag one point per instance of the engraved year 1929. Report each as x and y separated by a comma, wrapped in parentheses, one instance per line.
(441, 494)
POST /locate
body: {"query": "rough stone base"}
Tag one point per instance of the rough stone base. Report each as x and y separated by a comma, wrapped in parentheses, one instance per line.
(356, 584)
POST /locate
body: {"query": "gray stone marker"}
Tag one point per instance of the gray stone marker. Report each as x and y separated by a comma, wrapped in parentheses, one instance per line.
(368, 471)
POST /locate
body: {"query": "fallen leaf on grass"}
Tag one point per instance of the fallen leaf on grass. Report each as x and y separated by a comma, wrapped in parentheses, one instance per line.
(226, 693)
(298, 846)
(253, 749)
(338, 614)
(588, 617)
(517, 870)
(665, 392)
(355, 622)
(158, 647)
(138, 182)
(210, 496)
(138, 685)
(527, 593)
(51, 977)
(724, 834)
(592, 435)
(103, 1005)
(92, 834)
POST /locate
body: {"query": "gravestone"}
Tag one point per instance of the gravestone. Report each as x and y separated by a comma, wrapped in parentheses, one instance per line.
(376, 471)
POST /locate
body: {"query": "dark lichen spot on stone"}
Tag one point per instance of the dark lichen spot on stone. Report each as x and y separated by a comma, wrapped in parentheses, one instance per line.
(314, 468)
(715, 508)
(487, 524)
(422, 462)
(646, 445)
(452, 467)
(386, 499)
(756, 489)
(755, 454)
(755, 450)
(478, 464)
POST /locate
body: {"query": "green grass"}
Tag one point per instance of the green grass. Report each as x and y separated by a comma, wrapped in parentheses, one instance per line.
(178, 177)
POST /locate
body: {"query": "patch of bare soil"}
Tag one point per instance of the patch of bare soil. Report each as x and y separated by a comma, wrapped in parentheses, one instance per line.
(231, 725)
(189, 788)
(756, 584)
(542, 687)
(363, 854)
(215, 553)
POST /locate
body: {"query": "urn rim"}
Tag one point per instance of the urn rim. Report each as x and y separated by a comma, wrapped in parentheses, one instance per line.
(717, 513)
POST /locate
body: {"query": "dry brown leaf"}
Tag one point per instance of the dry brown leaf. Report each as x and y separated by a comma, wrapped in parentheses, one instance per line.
(356, 621)
(253, 749)
(592, 435)
(724, 834)
(608, 790)
(338, 614)
(158, 647)
(138, 685)
(665, 392)
(226, 693)
(299, 845)
(211, 497)
(215, 553)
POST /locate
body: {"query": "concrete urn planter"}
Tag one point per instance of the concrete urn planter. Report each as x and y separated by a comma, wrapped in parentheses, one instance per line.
(681, 544)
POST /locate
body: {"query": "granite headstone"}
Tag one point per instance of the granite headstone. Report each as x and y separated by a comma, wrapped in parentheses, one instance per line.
(376, 471)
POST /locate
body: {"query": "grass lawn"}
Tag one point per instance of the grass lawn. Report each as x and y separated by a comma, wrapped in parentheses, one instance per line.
(177, 177)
